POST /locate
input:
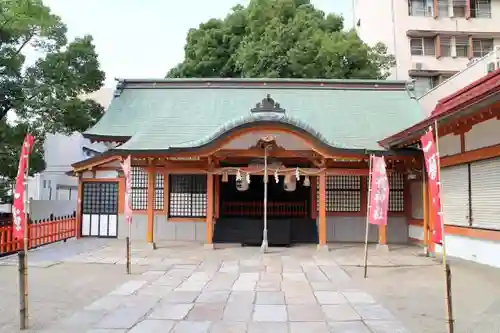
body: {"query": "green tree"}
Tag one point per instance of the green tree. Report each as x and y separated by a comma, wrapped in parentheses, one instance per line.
(280, 38)
(44, 96)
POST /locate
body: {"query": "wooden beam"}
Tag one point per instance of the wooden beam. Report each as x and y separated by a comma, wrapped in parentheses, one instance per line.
(471, 156)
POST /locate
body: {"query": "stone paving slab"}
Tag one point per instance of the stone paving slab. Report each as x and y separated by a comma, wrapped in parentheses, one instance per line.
(235, 291)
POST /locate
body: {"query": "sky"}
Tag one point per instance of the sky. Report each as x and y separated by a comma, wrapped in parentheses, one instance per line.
(145, 38)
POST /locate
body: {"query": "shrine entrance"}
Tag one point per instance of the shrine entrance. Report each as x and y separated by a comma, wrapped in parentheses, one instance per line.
(241, 209)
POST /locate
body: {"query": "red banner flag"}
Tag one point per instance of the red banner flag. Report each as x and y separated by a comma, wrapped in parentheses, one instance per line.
(431, 156)
(18, 206)
(379, 192)
(127, 171)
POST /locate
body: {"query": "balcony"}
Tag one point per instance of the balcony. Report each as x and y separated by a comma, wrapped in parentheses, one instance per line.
(476, 69)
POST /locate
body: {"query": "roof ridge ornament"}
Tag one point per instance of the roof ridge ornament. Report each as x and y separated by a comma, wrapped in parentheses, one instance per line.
(268, 105)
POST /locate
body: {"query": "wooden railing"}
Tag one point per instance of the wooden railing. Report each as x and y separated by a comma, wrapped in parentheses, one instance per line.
(256, 208)
(40, 233)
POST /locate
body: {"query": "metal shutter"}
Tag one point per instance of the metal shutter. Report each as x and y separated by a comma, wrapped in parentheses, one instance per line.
(485, 193)
(455, 194)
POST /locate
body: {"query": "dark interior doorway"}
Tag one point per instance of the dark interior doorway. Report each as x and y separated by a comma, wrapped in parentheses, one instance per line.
(242, 213)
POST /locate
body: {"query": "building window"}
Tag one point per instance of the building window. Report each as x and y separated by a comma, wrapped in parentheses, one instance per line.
(459, 8)
(139, 189)
(462, 47)
(445, 44)
(481, 47)
(188, 196)
(443, 10)
(343, 193)
(396, 196)
(422, 85)
(159, 191)
(423, 46)
(420, 8)
(480, 8)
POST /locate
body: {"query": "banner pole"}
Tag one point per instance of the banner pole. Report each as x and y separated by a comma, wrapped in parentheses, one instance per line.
(367, 216)
(446, 267)
(23, 271)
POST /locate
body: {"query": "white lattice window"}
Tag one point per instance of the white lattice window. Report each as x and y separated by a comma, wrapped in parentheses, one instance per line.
(139, 189)
(188, 196)
(343, 193)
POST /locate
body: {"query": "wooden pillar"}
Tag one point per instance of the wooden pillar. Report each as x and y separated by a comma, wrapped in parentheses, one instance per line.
(425, 204)
(467, 9)
(322, 211)
(78, 216)
(435, 8)
(151, 201)
(210, 210)
(382, 235)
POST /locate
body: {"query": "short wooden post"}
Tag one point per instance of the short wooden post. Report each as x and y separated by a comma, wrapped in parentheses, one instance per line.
(127, 239)
(23, 290)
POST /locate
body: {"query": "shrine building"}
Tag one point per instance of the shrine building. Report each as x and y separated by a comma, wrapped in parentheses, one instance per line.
(199, 149)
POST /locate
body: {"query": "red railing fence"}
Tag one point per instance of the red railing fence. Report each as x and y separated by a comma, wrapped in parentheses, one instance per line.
(40, 232)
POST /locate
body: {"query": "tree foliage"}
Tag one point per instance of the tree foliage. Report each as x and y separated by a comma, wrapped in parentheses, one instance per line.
(280, 38)
(42, 96)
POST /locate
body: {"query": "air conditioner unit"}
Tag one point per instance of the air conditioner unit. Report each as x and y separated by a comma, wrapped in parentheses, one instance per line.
(418, 66)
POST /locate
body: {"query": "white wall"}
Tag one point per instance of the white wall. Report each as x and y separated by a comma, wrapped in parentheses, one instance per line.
(42, 209)
(449, 145)
(483, 135)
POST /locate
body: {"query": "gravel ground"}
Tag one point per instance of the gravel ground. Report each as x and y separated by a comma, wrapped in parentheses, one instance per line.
(55, 292)
(415, 294)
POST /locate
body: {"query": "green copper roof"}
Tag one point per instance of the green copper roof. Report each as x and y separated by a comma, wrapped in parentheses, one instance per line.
(160, 115)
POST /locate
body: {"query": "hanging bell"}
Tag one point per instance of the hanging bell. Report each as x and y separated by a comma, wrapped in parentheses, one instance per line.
(238, 175)
(288, 179)
(307, 182)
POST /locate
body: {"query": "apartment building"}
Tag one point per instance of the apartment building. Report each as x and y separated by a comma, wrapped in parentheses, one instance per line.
(431, 39)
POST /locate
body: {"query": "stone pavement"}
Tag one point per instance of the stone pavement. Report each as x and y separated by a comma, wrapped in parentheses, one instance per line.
(185, 288)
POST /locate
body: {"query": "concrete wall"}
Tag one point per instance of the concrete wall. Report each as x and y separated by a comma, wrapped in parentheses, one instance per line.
(41, 209)
(339, 229)
(180, 231)
(352, 229)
